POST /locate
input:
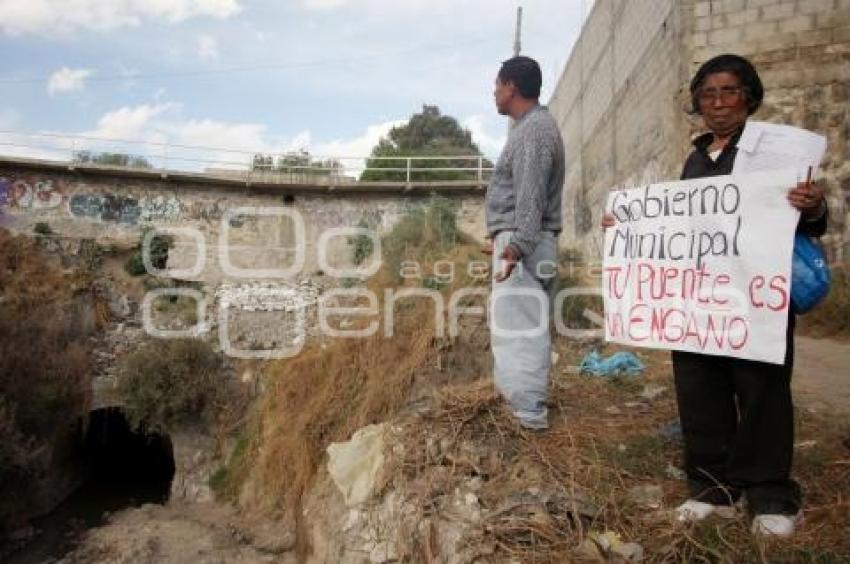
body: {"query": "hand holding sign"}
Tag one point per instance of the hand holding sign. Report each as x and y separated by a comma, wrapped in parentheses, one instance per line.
(807, 197)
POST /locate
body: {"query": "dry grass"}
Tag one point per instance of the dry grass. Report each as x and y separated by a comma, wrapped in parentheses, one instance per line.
(334, 388)
(545, 492)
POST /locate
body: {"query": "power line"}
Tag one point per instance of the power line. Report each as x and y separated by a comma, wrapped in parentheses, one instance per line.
(250, 68)
(171, 156)
(72, 136)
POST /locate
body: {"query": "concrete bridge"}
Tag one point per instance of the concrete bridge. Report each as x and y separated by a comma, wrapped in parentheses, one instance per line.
(266, 223)
(114, 204)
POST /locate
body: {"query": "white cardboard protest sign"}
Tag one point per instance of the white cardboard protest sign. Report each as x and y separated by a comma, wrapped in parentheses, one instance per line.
(702, 265)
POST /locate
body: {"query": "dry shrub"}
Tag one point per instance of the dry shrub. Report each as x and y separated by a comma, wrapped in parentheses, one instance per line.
(424, 234)
(178, 383)
(45, 361)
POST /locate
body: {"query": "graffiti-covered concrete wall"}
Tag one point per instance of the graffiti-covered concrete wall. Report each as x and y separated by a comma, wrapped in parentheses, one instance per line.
(622, 100)
(261, 227)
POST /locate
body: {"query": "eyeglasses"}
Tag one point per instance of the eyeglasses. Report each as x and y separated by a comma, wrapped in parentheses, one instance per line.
(726, 94)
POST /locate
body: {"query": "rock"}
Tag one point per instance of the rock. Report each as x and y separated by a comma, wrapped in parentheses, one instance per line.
(23, 534)
(383, 551)
(465, 507)
(274, 537)
(652, 391)
(649, 495)
(354, 520)
(432, 449)
(629, 551)
(805, 444)
(671, 431)
(555, 357)
(194, 464)
(589, 551)
(356, 465)
(675, 473)
(604, 547)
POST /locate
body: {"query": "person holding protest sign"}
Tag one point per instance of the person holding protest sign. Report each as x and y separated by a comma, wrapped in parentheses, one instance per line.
(523, 215)
(736, 414)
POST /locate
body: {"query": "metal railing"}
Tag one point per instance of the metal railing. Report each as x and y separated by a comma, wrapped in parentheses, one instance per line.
(292, 166)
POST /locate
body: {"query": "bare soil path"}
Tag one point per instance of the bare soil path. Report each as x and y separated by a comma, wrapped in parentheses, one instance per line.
(821, 377)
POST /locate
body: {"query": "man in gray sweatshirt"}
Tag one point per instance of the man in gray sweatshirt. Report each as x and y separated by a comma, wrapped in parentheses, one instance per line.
(523, 214)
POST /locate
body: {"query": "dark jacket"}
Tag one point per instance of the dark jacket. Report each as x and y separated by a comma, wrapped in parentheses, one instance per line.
(699, 165)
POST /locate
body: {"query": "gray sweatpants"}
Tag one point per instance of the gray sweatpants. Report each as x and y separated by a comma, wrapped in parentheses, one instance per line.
(520, 320)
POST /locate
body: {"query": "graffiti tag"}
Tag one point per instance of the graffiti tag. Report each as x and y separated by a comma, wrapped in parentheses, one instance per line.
(24, 194)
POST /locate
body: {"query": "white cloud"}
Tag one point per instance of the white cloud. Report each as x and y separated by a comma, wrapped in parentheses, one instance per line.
(359, 146)
(208, 143)
(302, 140)
(211, 133)
(67, 80)
(490, 144)
(323, 5)
(353, 150)
(50, 17)
(35, 146)
(193, 144)
(207, 48)
(133, 123)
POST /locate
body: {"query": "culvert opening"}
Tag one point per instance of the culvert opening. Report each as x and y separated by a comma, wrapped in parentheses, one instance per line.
(134, 465)
(124, 468)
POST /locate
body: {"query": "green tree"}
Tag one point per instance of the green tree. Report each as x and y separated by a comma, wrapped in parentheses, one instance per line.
(297, 162)
(112, 159)
(428, 133)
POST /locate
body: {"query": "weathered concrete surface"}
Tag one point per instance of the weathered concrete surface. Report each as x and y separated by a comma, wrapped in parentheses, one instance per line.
(622, 99)
(260, 225)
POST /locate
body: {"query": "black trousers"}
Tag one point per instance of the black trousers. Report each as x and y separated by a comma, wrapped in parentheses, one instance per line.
(738, 426)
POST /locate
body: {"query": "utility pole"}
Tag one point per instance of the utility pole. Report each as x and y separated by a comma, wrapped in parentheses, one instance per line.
(517, 48)
(518, 33)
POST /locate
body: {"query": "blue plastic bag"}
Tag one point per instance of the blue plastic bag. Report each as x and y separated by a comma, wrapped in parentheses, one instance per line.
(622, 362)
(810, 276)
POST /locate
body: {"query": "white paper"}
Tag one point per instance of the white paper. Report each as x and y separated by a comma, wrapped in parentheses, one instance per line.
(738, 294)
(768, 146)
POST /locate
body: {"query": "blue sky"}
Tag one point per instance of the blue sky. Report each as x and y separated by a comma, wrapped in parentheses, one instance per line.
(328, 76)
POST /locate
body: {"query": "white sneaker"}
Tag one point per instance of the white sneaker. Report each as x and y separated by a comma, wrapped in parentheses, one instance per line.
(776, 525)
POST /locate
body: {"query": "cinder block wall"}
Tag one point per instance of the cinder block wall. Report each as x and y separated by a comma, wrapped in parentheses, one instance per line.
(622, 100)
